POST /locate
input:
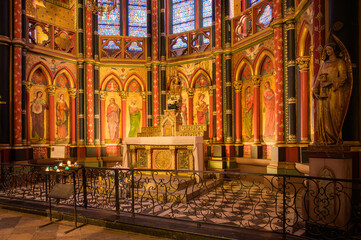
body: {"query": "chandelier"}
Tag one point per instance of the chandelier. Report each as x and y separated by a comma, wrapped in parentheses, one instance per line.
(101, 6)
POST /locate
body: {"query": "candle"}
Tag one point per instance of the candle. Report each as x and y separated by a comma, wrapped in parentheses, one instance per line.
(68, 163)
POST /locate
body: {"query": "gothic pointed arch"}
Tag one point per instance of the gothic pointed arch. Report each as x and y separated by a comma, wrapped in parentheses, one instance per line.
(68, 75)
(182, 75)
(304, 40)
(43, 69)
(134, 77)
(260, 59)
(110, 77)
(200, 73)
(241, 66)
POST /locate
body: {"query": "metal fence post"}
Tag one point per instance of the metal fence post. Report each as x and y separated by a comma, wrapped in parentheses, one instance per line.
(116, 179)
(132, 171)
(284, 207)
(85, 194)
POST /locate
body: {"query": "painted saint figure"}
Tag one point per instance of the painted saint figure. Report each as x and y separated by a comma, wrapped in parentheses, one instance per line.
(248, 113)
(184, 113)
(37, 115)
(113, 115)
(202, 110)
(269, 110)
(332, 90)
(62, 111)
(134, 116)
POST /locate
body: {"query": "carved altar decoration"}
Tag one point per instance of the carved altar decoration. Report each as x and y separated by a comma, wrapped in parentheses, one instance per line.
(171, 145)
(332, 92)
(171, 122)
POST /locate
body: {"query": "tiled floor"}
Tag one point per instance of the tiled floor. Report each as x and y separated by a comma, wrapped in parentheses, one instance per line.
(23, 226)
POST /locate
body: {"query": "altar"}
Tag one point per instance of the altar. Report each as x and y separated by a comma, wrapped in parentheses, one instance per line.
(172, 145)
(168, 152)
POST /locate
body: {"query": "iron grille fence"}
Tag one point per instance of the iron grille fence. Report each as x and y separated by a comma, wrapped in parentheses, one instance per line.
(308, 207)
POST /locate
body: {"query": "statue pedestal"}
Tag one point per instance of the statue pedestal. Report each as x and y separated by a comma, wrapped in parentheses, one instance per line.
(330, 200)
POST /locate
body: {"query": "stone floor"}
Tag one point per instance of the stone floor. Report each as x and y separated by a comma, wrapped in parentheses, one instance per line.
(23, 226)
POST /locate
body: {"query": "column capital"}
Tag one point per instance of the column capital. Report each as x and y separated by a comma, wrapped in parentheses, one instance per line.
(303, 63)
(123, 95)
(51, 89)
(210, 90)
(102, 94)
(72, 92)
(190, 92)
(256, 80)
(28, 86)
(144, 95)
(237, 85)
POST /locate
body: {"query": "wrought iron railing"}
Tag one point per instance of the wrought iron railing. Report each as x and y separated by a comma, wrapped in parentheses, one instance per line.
(120, 48)
(252, 20)
(48, 36)
(308, 207)
(189, 43)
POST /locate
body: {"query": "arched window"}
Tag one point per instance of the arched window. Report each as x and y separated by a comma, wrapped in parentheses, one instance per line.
(187, 15)
(109, 23)
(135, 18)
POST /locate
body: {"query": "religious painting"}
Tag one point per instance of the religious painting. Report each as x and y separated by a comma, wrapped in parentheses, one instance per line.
(184, 98)
(62, 110)
(201, 103)
(134, 108)
(267, 102)
(38, 108)
(113, 112)
(247, 106)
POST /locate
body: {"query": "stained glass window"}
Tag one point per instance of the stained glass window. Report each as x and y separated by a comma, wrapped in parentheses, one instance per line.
(183, 16)
(207, 13)
(266, 16)
(137, 18)
(109, 23)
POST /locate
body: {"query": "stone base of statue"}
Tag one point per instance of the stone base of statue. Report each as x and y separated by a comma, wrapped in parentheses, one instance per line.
(329, 201)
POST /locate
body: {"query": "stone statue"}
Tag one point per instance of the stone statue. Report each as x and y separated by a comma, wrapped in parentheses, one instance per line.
(332, 92)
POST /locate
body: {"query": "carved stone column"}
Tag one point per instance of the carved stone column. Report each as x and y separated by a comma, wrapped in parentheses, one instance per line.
(124, 95)
(238, 105)
(144, 109)
(303, 63)
(72, 93)
(256, 80)
(279, 83)
(51, 92)
(102, 117)
(190, 104)
(210, 92)
(28, 134)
